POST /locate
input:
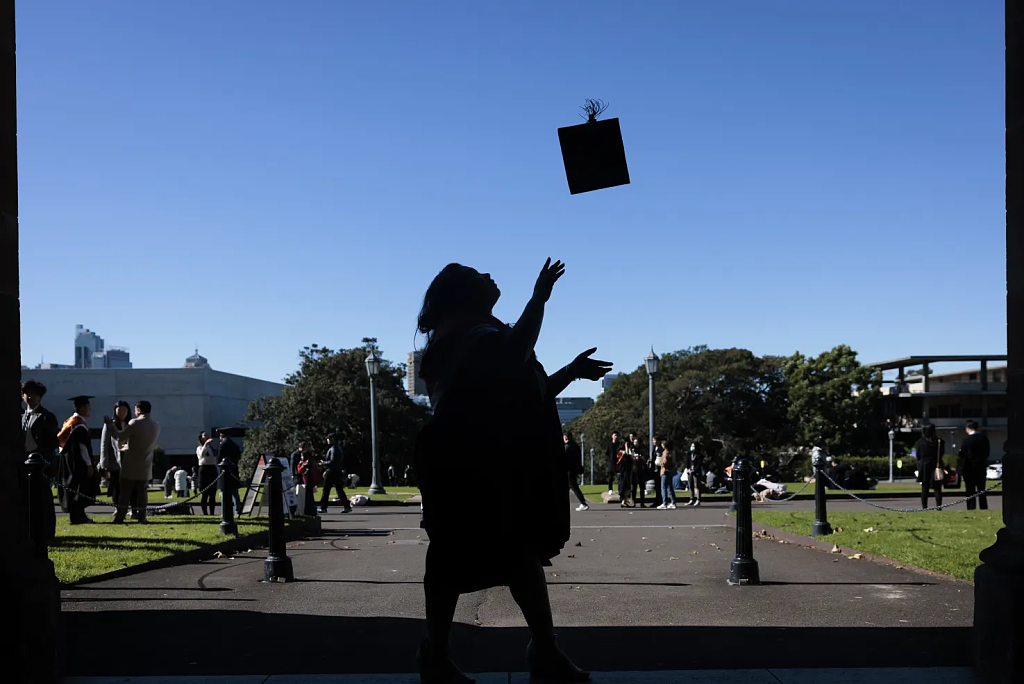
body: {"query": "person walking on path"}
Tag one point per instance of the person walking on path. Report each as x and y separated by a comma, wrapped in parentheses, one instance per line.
(110, 451)
(972, 464)
(334, 475)
(79, 481)
(930, 450)
(696, 469)
(574, 466)
(612, 456)
(640, 471)
(309, 473)
(483, 376)
(229, 456)
(625, 467)
(39, 435)
(139, 439)
(667, 466)
(207, 459)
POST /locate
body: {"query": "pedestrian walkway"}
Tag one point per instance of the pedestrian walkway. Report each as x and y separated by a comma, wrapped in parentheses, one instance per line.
(918, 675)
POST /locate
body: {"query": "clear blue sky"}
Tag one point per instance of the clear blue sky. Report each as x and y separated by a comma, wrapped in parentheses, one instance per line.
(254, 177)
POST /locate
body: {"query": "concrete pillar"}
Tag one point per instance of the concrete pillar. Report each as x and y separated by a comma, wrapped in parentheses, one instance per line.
(984, 375)
(927, 380)
(999, 581)
(32, 597)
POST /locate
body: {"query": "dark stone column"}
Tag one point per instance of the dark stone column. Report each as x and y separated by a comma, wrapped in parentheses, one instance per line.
(999, 581)
(32, 600)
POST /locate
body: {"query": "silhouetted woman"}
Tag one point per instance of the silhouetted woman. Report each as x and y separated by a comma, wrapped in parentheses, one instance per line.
(483, 377)
(930, 450)
(206, 457)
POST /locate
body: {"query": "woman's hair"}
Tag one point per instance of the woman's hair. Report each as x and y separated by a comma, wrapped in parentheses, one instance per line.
(117, 418)
(668, 445)
(449, 295)
(928, 432)
(201, 440)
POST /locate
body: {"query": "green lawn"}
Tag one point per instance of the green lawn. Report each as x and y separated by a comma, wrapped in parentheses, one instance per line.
(947, 542)
(593, 492)
(88, 550)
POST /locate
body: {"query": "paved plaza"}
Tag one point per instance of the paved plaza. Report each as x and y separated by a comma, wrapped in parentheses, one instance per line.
(634, 590)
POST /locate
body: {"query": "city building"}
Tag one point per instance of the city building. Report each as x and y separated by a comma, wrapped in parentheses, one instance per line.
(90, 351)
(185, 400)
(196, 361)
(607, 380)
(414, 385)
(572, 407)
(916, 396)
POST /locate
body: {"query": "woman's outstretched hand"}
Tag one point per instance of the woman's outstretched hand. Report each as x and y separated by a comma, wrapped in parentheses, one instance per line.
(549, 275)
(586, 368)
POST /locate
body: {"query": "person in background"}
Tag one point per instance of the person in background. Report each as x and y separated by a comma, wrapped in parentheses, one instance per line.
(230, 455)
(110, 451)
(408, 475)
(206, 456)
(169, 482)
(193, 481)
(309, 473)
(181, 483)
(624, 466)
(392, 477)
(77, 472)
(696, 468)
(641, 473)
(334, 475)
(39, 435)
(666, 463)
(574, 467)
(138, 440)
(972, 463)
(655, 469)
(612, 455)
(930, 450)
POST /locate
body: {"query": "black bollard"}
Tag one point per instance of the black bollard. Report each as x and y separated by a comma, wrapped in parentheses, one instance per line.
(743, 569)
(821, 527)
(309, 504)
(227, 504)
(277, 566)
(39, 499)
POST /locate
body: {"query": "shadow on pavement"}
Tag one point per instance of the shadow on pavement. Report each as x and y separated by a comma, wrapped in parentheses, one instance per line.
(243, 642)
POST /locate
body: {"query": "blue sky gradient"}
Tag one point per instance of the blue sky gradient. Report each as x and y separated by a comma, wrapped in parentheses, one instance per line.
(255, 177)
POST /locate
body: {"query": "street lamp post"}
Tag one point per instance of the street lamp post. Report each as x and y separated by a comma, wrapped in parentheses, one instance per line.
(892, 436)
(373, 369)
(583, 454)
(652, 370)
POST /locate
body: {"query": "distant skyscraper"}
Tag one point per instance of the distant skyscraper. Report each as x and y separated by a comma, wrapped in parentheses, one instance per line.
(91, 353)
(572, 407)
(414, 384)
(87, 344)
(607, 380)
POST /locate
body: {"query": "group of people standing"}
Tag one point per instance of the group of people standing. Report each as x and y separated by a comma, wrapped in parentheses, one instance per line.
(630, 469)
(332, 472)
(125, 459)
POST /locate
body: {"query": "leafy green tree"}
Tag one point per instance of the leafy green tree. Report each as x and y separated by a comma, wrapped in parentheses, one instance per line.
(702, 395)
(330, 393)
(834, 402)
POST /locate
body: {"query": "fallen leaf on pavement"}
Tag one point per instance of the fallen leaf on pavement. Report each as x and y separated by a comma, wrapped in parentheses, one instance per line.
(571, 555)
(579, 543)
(835, 549)
(856, 556)
(672, 558)
(218, 554)
(871, 529)
(647, 550)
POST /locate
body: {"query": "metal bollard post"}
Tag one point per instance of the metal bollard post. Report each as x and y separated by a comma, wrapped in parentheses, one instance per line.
(309, 504)
(227, 504)
(821, 526)
(735, 488)
(39, 498)
(277, 566)
(743, 569)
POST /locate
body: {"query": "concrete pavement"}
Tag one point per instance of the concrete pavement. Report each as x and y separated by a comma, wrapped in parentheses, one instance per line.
(643, 590)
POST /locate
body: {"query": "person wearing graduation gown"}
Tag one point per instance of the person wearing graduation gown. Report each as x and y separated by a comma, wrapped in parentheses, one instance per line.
(78, 477)
(483, 377)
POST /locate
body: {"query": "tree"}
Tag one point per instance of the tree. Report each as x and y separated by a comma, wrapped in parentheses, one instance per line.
(702, 395)
(834, 402)
(330, 393)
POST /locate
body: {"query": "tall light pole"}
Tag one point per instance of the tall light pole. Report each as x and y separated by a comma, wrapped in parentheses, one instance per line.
(583, 451)
(652, 371)
(373, 369)
(892, 436)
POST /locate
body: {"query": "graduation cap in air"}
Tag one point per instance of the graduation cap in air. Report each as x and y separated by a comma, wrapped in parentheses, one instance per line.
(81, 400)
(593, 153)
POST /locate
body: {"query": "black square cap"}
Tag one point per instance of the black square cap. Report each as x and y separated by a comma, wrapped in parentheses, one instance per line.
(81, 400)
(594, 156)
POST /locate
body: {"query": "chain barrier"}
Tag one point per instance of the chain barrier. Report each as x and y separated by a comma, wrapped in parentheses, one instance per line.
(152, 509)
(912, 510)
(788, 498)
